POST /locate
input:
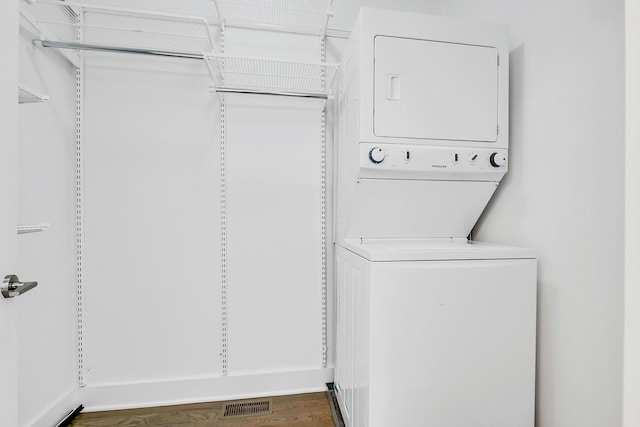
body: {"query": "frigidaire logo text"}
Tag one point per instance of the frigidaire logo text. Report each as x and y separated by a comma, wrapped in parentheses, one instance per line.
(438, 166)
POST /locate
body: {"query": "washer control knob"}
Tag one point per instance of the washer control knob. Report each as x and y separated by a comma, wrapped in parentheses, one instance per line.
(498, 159)
(376, 155)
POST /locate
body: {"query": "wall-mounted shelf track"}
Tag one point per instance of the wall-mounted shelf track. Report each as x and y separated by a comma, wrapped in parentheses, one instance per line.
(32, 228)
(137, 31)
(28, 96)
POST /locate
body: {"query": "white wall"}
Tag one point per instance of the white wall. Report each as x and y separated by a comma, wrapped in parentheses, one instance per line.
(564, 194)
(346, 11)
(152, 252)
(632, 225)
(47, 316)
(150, 217)
(8, 218)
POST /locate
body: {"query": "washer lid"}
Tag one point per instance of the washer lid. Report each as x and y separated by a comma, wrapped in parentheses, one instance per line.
(432, 250)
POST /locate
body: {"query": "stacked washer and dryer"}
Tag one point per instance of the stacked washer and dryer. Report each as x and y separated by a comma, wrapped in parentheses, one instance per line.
(433, 329)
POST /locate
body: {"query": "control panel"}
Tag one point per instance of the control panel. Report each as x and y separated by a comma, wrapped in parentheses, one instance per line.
(431, 162)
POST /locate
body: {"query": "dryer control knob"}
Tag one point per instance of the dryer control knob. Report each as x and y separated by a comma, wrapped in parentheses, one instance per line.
(376, 155)
(498, 159)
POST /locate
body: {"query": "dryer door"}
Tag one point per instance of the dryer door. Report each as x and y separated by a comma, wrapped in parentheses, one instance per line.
(435, 90)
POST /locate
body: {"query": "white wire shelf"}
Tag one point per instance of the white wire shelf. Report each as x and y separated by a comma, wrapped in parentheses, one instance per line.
(79, 24)
(85, 25)
(32, 228)
(203, 8)
(294, 15)
(272, 76)
(27, 96)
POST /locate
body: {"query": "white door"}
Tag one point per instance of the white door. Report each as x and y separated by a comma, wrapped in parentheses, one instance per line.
(435, 90)
(8, 209)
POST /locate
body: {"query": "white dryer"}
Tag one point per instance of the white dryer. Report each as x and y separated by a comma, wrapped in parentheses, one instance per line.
(422, 125)
(435, 333)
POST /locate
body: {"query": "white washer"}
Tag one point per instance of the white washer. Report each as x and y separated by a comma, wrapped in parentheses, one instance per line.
(435, 333)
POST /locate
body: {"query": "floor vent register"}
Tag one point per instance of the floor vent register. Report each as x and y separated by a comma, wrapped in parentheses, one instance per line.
(247, 408)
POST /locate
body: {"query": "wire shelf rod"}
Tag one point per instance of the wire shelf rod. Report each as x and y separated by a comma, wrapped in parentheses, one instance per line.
(261, 73)
(299, 79)
(120, 49)
(274, 93)
(290, 29)
(105, 27)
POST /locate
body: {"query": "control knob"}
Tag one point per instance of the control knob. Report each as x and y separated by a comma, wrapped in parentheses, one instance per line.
(376, 155)
(498, 159)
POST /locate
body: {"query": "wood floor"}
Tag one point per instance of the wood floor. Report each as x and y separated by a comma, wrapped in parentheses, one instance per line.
(305, 410)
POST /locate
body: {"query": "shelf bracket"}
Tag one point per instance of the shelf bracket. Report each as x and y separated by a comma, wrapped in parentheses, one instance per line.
(29, 23)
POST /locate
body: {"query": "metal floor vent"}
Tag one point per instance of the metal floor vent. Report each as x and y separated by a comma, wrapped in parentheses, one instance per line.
(247, 408)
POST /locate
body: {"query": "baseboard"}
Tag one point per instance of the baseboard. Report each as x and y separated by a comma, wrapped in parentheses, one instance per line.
(58, 410)
(208, 389)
